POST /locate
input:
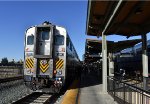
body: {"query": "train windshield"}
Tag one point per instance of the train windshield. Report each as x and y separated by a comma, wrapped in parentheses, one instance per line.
(59, 40)
(30, 40)
(45, 35)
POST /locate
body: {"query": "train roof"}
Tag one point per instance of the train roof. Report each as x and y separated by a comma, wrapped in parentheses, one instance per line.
(47, 24)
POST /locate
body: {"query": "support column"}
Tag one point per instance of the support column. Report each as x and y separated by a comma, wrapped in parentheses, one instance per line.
(144, 61)
(104, 63)
(111, 65)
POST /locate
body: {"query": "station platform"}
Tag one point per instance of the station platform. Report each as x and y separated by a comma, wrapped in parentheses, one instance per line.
(87, 91)
(90, 91)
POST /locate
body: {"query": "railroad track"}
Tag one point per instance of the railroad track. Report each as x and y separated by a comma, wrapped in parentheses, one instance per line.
(3, 80)
(37, 98)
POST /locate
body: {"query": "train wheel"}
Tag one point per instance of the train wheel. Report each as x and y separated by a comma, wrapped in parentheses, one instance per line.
(33, 86)
(55, 89)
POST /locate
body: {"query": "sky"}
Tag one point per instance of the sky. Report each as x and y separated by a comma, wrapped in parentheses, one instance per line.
(17, 16)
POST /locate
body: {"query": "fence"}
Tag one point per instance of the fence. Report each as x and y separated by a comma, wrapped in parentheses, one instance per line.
(127, 93)
(10, 71)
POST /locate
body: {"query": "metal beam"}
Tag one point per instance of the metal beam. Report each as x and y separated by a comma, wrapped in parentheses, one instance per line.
(109, 10)
(88, 14)
(112, 16)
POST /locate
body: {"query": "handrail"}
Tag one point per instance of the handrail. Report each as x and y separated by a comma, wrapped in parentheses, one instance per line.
(133, 86)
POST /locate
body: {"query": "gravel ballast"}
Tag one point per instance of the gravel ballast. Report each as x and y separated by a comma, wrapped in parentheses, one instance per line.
(11, 91)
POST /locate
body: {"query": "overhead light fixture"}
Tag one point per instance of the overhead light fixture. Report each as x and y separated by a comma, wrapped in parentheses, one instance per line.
(90, 27)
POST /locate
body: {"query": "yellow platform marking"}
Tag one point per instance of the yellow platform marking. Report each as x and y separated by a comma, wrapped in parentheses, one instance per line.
(59, 63)
(29, 63)
(71, 94)
(44, 67)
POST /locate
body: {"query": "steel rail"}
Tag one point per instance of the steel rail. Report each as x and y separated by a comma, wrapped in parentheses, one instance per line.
(3, 80)
(34, 98)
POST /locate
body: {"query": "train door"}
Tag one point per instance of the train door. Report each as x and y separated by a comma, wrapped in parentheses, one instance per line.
(43, 40)
(43, 50)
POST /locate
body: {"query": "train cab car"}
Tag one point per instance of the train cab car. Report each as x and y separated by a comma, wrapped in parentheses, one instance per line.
(50, 58)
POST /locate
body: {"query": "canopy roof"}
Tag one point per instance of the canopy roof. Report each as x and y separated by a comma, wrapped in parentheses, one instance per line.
(130, 19)
(93, 48)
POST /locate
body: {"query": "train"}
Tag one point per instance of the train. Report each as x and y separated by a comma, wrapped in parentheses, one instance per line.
(50, 59)
(130, 60)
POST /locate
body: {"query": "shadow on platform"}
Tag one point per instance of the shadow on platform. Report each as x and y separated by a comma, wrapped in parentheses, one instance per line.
(87, 79)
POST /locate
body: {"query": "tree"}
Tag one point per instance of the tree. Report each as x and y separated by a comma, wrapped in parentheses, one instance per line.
(4, 61)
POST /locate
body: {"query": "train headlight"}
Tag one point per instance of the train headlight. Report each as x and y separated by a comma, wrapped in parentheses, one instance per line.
(59, 79)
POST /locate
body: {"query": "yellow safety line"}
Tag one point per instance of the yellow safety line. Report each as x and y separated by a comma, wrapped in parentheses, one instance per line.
(71, 94)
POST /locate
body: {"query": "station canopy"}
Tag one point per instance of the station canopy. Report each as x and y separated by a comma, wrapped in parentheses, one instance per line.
(132, 17)
(93, 48)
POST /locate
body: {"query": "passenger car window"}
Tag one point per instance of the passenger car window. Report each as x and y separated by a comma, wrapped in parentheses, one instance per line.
(59, 40)
(45, 35)
(30, 40)
(70, 46)
(67, 41)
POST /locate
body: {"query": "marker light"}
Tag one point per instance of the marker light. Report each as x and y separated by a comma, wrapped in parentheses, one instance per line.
(59, 79)
(55, 71)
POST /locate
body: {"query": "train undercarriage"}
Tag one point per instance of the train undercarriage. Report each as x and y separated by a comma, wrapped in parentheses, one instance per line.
(45, 84)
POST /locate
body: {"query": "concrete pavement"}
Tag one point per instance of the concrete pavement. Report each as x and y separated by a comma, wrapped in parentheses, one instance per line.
(90, 91)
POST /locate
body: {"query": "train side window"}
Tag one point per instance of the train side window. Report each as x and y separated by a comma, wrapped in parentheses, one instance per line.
(59, 40)
(148, 50)
(70, 46)
(45, 35)
(67, 41)
(30, 40)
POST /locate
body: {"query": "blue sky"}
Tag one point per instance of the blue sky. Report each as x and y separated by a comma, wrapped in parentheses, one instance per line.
(16, 17)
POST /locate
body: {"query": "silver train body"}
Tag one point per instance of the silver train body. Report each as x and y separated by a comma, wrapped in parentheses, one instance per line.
(50, 59)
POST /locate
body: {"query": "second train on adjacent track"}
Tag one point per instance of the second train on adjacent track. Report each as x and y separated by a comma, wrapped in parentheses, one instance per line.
(130, 60)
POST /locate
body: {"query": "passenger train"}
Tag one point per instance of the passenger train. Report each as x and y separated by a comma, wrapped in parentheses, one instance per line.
(130, 59)
(51, 61)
